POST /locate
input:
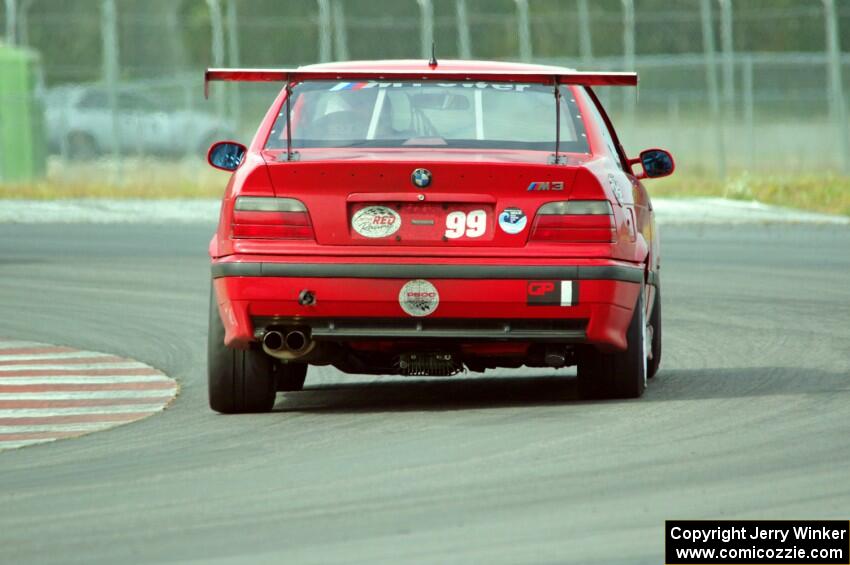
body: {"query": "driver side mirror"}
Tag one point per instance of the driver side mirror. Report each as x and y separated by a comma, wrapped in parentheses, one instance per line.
(655, 163)
(226, 155)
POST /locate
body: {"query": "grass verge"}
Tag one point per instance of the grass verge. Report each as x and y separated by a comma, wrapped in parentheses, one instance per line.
(136, 178)
(828, 193)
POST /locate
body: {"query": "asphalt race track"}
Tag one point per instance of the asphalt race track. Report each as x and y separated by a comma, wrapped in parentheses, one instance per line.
(748, 418)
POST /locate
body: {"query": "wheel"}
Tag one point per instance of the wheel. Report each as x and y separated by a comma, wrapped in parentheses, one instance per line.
(290, 376)
(239, 381)
(655, 323)
(621, 374)
(82, 146)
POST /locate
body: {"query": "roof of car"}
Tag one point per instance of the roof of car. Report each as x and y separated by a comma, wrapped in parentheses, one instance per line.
(418, 65)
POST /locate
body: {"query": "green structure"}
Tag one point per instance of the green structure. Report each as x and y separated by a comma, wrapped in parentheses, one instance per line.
(23, 147)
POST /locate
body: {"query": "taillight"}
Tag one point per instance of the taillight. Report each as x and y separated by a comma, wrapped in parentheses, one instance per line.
(271, 218)
(590, 221)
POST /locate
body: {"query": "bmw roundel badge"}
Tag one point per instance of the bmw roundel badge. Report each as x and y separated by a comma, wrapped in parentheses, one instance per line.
(421, 178)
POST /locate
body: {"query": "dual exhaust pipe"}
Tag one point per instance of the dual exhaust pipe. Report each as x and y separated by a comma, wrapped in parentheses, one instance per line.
(288, 345)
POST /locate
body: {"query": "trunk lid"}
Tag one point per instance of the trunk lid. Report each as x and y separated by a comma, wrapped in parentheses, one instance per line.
(378, 203)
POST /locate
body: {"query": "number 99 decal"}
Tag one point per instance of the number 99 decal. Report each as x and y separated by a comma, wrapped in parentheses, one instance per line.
(459, 224)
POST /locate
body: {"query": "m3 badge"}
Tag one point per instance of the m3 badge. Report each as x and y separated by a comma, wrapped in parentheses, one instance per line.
(538, 186)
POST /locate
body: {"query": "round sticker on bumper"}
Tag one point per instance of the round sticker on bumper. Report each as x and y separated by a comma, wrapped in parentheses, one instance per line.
(418, 298)
(512, 220)
(376, 221)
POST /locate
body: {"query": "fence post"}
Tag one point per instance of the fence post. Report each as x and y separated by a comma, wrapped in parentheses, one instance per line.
(463, 30)
(629, 59)
(324, 31)
(749, 112)
(11, 21)
(187, 86)
(585, 38)
(711, 79)
(523, 29)
(217, 46)
(109, 37)
(726, 44)
(23, 35)
(233, 59)
(426, 27)
(838, 111)
(340, 37)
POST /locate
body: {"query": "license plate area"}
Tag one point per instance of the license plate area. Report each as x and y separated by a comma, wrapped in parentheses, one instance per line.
(421, 223)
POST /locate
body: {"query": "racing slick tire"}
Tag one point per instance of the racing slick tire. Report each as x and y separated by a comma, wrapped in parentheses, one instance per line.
(621, 374)
(655, 323)
(290, 376)
(239, 381)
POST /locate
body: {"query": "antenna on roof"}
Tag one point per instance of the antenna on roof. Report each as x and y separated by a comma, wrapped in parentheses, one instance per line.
(433, 61)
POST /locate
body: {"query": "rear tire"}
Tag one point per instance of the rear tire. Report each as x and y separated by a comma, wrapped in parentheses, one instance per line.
(655, 322)
(290, 376)
(621, 374)
(239, 380)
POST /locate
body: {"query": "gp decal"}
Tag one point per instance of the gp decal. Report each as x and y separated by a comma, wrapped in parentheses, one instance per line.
(552, 293)
(376, 221)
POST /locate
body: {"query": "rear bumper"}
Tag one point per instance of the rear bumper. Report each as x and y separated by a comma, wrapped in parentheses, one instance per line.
(477, 301)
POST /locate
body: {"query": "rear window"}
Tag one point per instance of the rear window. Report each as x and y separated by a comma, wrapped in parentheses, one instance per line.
(484, 115)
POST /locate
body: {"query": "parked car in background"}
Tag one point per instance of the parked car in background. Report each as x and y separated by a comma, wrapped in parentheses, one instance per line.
(79, 124)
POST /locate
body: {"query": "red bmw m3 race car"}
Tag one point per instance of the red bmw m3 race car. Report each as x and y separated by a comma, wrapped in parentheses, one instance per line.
(422, 218)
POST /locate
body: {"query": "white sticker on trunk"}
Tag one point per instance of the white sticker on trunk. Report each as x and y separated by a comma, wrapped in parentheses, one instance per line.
(512, 220)
(376, 221)
(418, 298)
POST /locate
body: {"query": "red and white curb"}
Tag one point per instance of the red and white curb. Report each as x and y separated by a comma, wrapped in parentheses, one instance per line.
(49, 392)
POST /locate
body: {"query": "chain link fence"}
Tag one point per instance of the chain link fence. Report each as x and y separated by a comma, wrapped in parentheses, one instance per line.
(727, 85)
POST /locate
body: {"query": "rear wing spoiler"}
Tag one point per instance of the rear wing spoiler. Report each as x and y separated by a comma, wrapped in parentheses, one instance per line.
(542, 77)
